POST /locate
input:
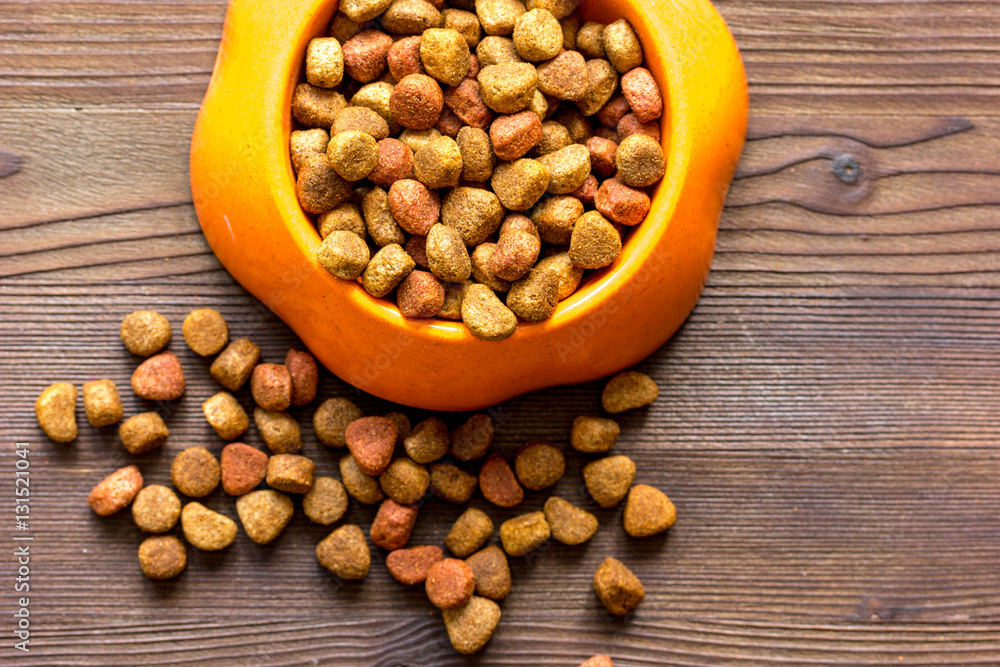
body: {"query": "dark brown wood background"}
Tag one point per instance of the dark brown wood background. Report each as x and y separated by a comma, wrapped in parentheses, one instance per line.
(828, 422)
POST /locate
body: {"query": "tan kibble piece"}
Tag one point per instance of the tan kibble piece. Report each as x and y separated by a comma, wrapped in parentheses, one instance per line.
(539, 465)
(116, 491)
(590, 40)
(381, 225)
(568, 168)
(438, 164)
(524, 533)
(594, 242)
(233, 367)
(362, 487)
(365, 55)
(316, 107)
(343, 28)
(264, 514)
(402, 423)
(371, 441)
(514, 135)
(496, 50)
(594, 435)
(648, 511)
(55, 409)
(473, 439)
(640, 161)
(602, 81)
(332, 418)
(481, 271)
(566, 275)
(195, 472)
(554, 218)
(539, 105)
(243, 468)
(159, 378)
(520, 184)
(360, 119)
(156, 509)
(600, 660)
(271, 386)
(445, 55)
(417, 139)
(420, 294)
(570, 26)
(492, 572)
(326, 502)
(205, 529)
(411, 565)
(498, 17)
(475, 212)
(361, 11)
(386, 270)
(534, 298)
(617, 587)
(393, 524)
(450, 583)
(564, 77)
(319, 187)
(404, 58)
(485, 315)
(344, 254)
(353, 154)
(205, 331)
(447, 255)
(324, 62)
(554, 137)
(344, 552)
(162, 557)
(570, 524)
(608, 479)
(344, 218)
(428, 442)
(508, 87)
(451, 309)
(290, 473)
(471, 626)
(537, 35)
(410, 17)
(279, 430)
(466, 23)
(143, 433)
(452, 484)
(305, 376)
(416, 102)
(145, 332)
(622, 46)
(628, 390)
(405, 481)
(469, 533)
(576, 124)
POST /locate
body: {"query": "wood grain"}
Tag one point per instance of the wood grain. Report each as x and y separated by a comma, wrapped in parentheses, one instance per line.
(827, 421)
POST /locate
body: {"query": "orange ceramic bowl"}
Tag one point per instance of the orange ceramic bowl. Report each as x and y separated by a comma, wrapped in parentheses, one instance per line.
(244, 194)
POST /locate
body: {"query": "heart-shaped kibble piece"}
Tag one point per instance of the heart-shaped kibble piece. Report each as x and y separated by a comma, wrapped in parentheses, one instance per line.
(371, 441)
(243, 468)
(159, 378)
(648, 511)
(264, 514)
(472, 625)
(498, 483)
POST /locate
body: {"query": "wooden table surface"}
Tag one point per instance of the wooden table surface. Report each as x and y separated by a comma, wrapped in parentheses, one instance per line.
(828, 420)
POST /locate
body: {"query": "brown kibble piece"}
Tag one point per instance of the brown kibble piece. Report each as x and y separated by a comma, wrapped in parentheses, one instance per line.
(417, 139)
(344, 254)
(496, 50)
(593, 435)
(156, 509)
(492, 572)
(305, 376)
(381, 225)
(331, 420)
(481, 271)
(602, 81)
(514, 135)
(554, 137)
(450, 583)
(452, 484)
(116, 491)
(410, 17)
(438, 164)
(570, 524)
(145, 332)
(622, 46)
(264, 514)
(498, 483)
(568, 168)
(343, 28)
(344, 218)
(159, 378)
(326, 502)
(360, 119)
(640, 161)
(469, 532)
(589, 40)
(475, 212)
(361, 11)
(55, 410)
(365, 55)
(471, 626)
(586, 192)
(616, 586)
(554, 218)
(243, 468)
(524, 533)
(643, 94)
(561, 9)
(445, 55)
(205, 331)
(453, 295)
(319, 187)
(520, 184)
(534, 298)
(612, 112)
(447, 255)
(371, 441)
(279, 430)
(316, 107)
(598, 661)
(410, 566)
(271, 386)
(564, 77)
(324, 62)
(566, 276)
(473, 439)
(344, 552)
(354, 155)
(620, 203)
(416, 248)
(392, 525)
(508, 87)
(416, 102)
(386, 270)
(608, 479)
(466, 23)
(143, 433)
(405, 481)
(232, 368)
(467, 104)
(363, 488)
(485, 315)
(420, 294)
(537, 35)
(539, 465)
(290, 473)
(404, 58)
(602, 156)
(428, 441)
(576, 124)
(648, 511)
(162, 557)
(499, 17)
(414, 206)
(205, 529)
(594, 242)
(395, 162)
(628, 390)
(195, 472)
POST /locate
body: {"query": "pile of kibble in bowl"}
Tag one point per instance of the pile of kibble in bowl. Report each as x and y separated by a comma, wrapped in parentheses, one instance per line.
(474, 157)
(384, 462)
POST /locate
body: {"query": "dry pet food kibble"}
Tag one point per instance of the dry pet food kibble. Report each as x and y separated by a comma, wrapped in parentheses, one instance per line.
(628, 390)
(405, 481)
(498, 483)
(524, 533)
(393, 524)
(452, 484)
(410, 566)
(243, 468)
(56, 412)
(205, 330)
(162, 557)
(280, 431)
(233, 366)
(428, 442)
(116, 491)
(290, 473)
(539, 465)
(569, 524)
(648, 511)
(471, 626)
(608, 480)
(450, 583)
(264, 514)
(362, 487)
(492, 572)
(326, 501)
(225, 414)
(159, 378)
(156, 509)
(205, 529)
(594, 435)
(332, 418)
(469, 533)
(145, 332)
(344, 552)
(143, 432)
(617, 587)
(371, 441)
(271, 387)
(102, 403)
(305, 376)
(195, 472)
